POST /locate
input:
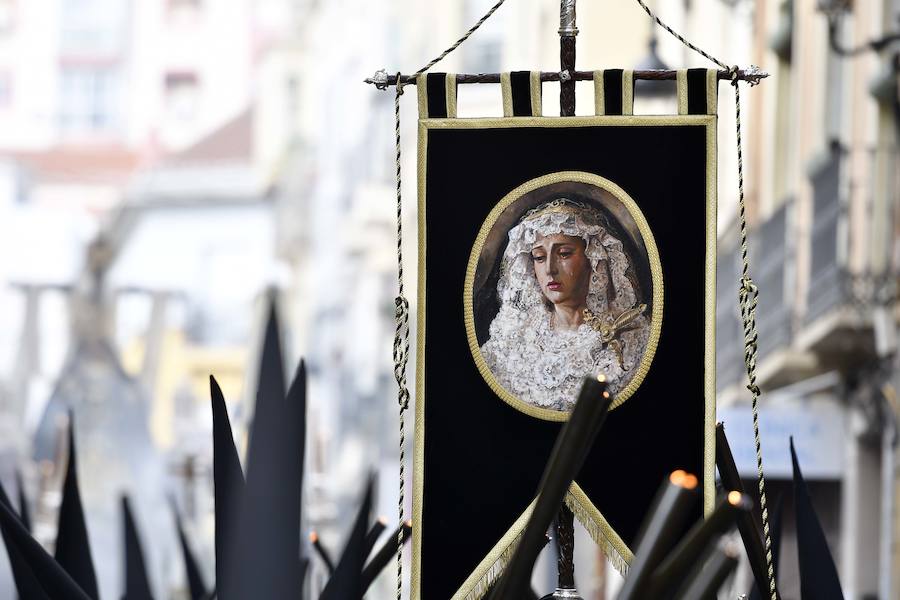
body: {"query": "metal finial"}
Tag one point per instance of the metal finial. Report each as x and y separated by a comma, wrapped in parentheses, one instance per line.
(567, 18)
(380, 79)
(754, 75)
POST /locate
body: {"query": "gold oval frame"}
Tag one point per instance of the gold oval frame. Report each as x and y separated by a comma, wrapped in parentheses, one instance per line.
(656, 278)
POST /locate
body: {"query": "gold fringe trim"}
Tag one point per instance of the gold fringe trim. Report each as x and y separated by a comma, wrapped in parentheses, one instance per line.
(615, 558)
(487, 581)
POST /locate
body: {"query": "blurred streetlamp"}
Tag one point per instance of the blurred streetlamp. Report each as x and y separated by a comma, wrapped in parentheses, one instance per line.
(885, 87)
(653, 97)
(647, 88)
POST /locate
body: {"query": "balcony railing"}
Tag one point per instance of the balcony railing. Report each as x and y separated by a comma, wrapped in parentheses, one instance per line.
(770, 257)
(826, 285)
(729, 336)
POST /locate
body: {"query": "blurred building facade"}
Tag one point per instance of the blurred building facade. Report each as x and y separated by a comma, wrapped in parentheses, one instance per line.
(138, 122)
(822, 198)
(246, 124)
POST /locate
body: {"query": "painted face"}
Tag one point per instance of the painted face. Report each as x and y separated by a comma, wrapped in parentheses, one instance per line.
(563, 270)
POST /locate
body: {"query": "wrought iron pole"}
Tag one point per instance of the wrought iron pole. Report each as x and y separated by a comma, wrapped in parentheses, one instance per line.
(565, 520)
(567, 33)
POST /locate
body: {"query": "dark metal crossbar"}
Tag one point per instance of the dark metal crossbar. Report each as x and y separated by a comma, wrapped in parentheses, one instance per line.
(752, 75)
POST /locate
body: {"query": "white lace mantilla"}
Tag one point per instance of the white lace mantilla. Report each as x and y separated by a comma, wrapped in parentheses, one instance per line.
(543, 366)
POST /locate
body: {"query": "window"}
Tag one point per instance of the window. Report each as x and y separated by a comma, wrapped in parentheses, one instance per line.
(89, 99)
(182, 94)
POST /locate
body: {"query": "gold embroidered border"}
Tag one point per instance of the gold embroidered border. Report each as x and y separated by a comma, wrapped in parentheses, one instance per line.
(599, 94)
(712, 91)
(450, 91)
(422, 95)
(708, 121)
(627, 92)
(536, 88)
(681, 88)
(506, 93)
(655, 275)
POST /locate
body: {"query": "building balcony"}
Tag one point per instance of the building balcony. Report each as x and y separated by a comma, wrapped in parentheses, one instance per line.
(836, 325)
(729, 334)
(772, 260)
(828, 230)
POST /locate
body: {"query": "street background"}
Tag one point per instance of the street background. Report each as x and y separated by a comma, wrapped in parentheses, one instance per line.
(166, 163)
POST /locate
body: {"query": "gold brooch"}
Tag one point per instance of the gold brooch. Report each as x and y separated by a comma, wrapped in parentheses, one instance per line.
(609, 328)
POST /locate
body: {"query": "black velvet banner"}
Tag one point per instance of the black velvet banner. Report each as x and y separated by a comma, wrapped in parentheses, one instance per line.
(479, 459)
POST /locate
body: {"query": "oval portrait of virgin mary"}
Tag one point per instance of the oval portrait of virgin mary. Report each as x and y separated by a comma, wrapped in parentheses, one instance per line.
(564, 281)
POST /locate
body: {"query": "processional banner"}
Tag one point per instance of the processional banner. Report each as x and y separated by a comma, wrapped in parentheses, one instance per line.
(552, 248)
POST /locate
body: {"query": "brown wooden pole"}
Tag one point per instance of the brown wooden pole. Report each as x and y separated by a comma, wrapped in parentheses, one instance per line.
(565, 520)
(752, 76)
(565, 545)
(567, 33)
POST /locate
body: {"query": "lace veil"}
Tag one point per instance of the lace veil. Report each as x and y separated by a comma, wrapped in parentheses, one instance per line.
(544, 367)
(611, 290)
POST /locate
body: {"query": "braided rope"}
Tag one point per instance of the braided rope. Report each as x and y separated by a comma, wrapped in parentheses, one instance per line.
(748, 297)
(401, 342)
(659, 22)
(401, 304)
(458, 42)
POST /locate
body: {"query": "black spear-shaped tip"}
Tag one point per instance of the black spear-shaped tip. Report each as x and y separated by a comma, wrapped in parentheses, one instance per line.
(73, 548)
(36, 574)
(137, 584)
(196, 585)
(228, 482)
(818, 575)
(27, 584)
(264, 563)
(271, 379)
(346, 581)
(24, 513)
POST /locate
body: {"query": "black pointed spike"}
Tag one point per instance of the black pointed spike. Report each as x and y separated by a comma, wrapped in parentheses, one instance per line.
(818, 575)
(73, 548)
(304, 568)
(295, 451)
(346, 582)
(26, 582)
(264, 563)
(24, 513)
(4, 499)
(270, 383)
(196, 585)
(37, 574)
(228, 480)
(137, 584)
